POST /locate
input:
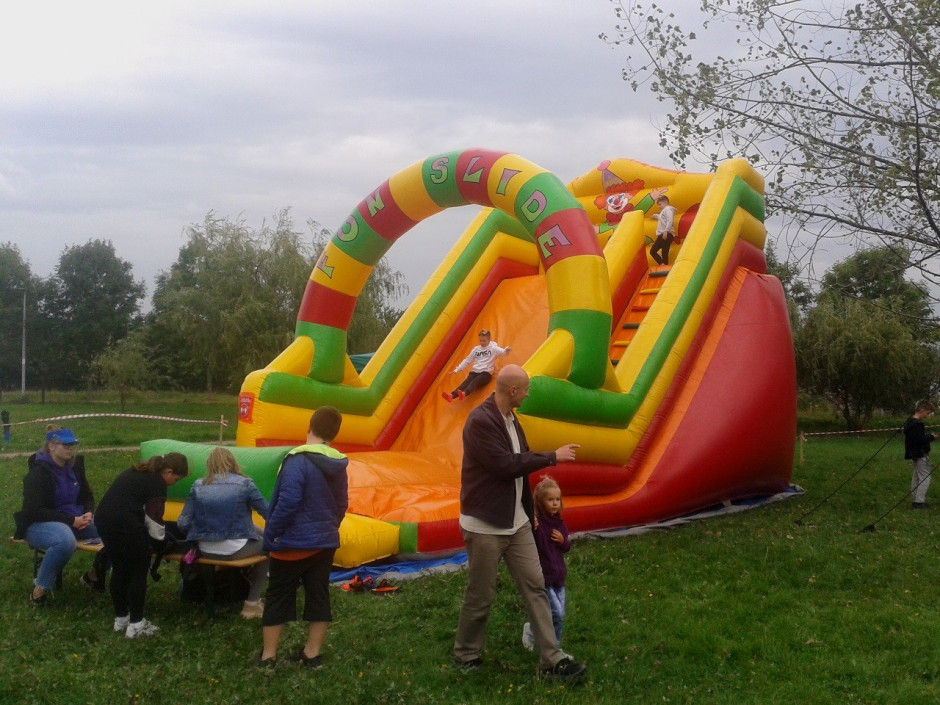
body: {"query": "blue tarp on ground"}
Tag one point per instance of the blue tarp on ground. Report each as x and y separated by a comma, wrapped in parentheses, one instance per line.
(404, 570)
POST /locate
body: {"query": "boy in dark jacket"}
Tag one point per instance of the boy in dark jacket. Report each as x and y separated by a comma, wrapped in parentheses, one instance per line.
(917, 448)
(301, 535)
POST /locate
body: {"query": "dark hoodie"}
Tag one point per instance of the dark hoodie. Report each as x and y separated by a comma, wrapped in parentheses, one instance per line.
(916, 439)
(46, 499)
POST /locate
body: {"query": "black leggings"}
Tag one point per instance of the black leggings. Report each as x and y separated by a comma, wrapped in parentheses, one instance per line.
(130, 562)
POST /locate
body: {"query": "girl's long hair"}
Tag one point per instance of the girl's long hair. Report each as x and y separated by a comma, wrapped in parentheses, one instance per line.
(220, 462)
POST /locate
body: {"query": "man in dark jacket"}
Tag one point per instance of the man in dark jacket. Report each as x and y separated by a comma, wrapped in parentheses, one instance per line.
(917, 448)
(301, 535)
(495, 520)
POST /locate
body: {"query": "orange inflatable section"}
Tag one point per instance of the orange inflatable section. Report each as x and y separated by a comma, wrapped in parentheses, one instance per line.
(418, 479)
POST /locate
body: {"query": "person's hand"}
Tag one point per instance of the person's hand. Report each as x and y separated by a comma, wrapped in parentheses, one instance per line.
(565, 454)
(557, 536)
(655, 193)
(507, 349)
(81, 522)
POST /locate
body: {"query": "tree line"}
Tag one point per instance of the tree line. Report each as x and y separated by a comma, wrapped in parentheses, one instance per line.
(863, 337)
(227, 305)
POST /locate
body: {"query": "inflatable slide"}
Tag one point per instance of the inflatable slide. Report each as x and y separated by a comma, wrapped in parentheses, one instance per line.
(677, 380)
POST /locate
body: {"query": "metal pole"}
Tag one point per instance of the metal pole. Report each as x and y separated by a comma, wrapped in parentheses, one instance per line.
(23, 357)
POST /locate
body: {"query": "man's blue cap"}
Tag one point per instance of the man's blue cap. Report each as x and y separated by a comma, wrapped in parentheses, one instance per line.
(63, 436)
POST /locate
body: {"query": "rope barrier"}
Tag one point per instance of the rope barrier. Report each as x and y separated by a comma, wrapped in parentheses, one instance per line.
(221, 421)
(799, 522)
(804, 435)
(223, 424)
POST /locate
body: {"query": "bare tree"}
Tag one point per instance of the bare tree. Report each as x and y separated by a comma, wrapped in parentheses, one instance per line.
(837, 103)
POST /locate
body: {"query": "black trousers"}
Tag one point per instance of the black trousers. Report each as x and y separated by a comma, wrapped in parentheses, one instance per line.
(474, 381)
(662, 245)
(130, 563)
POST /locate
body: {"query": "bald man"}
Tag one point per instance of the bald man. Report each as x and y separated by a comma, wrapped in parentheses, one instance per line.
(495, 520)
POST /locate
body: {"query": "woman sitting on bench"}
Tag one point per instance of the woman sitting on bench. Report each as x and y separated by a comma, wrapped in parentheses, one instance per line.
(217, 514)
(57, 512)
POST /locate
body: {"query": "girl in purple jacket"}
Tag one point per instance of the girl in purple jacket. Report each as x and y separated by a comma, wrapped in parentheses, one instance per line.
(551, 539)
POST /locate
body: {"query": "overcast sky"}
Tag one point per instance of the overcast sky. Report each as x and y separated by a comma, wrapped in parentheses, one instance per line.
(129, 121)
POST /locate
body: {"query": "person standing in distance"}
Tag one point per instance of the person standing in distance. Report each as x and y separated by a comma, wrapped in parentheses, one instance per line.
(495, 520)
(917, 448)
(665, 229)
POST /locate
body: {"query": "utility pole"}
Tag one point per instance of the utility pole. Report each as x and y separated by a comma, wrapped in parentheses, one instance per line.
(23, 357)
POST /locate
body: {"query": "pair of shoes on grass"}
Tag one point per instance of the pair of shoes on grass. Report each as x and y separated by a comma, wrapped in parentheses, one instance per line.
(40, 600)
(920, 505)
(358, 584)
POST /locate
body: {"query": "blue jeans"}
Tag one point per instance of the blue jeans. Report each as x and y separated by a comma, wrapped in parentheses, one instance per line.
(556, 599)
(59, 543)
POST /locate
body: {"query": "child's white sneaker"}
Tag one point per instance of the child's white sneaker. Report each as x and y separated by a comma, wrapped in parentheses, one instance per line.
(528, 639)
(120, 623)
(141, 628)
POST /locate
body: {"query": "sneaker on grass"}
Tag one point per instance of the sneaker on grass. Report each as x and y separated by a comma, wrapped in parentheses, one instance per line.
(252, 611)
(528, 639)
(565, 670)
(141, 628)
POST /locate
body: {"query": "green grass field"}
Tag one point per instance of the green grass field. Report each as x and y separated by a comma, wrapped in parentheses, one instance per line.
(745, 608)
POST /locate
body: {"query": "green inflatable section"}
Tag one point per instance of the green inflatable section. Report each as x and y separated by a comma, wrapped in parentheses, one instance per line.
(260, 464)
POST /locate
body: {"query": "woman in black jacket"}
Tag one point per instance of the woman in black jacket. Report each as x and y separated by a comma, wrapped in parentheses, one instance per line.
(57, 511)
(129, 515)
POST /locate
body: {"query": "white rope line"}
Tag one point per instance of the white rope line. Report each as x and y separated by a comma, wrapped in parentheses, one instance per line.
(804, 436)
(220, 421)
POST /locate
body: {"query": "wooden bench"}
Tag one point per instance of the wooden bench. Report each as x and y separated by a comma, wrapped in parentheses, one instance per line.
(208, 566)
(38, 553)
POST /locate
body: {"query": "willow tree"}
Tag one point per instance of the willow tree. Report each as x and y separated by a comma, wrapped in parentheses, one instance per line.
(861, 357)
(837, 103)
(863, 345)
(229, 303)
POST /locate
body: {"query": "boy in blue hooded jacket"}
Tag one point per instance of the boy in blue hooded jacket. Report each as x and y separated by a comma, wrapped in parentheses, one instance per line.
(301, 535)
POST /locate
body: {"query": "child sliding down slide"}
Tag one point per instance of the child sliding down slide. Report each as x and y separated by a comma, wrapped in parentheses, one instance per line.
(483, 357)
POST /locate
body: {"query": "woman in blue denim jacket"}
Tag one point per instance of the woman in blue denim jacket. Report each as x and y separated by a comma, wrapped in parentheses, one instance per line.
(217, 514)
